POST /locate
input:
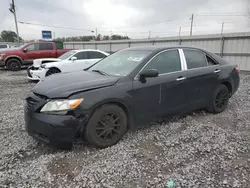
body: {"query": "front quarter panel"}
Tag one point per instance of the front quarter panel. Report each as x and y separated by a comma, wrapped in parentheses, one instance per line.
(93, 99)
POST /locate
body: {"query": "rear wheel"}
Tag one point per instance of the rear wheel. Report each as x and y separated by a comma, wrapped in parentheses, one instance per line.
(106, 126)
(13, 64)
(52, 71)
(220, 99)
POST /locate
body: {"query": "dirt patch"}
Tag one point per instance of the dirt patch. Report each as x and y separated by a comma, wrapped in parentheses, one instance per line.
(63, 167)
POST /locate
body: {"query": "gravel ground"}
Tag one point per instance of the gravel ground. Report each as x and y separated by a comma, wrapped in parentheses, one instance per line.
(198, 150)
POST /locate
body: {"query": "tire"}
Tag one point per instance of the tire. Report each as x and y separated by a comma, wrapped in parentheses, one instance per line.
(14, 64)
(219, 100)
(107, 126)
(52, 71)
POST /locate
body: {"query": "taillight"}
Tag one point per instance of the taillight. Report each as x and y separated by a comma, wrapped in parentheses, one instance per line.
(236, 69)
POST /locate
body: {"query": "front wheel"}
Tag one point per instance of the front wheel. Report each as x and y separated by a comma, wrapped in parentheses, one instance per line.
(220, 100)
(13, 64)
(106, 126)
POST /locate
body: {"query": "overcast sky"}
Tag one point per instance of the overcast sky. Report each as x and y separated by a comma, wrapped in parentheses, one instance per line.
(134, 18)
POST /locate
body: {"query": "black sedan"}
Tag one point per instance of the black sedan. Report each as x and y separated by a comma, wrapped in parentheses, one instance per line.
(126, 89)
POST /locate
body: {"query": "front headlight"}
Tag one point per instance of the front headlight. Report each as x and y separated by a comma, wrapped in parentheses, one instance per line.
(61, 105)
(1, 56)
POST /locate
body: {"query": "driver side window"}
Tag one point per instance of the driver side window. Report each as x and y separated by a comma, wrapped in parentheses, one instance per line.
(33, 47)
(165, 62)
(81, 55)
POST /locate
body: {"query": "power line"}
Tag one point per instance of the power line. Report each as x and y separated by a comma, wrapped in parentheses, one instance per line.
(28, 23)
(220, 15)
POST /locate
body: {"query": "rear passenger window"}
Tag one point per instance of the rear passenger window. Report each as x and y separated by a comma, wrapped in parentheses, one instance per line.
(210, 61)
(45, 46)
(165, 62)
(195, 59)
(96, 55)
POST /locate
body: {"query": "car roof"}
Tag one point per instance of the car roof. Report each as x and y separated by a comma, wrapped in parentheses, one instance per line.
(85, 50)
(159, 48)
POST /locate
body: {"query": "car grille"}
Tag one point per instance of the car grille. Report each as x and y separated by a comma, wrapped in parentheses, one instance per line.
(31, 102)
(34, 68)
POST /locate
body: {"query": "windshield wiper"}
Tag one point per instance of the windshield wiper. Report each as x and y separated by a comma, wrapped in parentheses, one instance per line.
(101, 72)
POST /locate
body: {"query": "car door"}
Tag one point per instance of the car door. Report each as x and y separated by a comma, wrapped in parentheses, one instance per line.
(164, 94)
(202, 77)
(47, 50)
(79, 63)
(31, 52)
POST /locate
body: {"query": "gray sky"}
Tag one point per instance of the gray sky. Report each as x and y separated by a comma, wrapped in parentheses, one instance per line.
(134, 18)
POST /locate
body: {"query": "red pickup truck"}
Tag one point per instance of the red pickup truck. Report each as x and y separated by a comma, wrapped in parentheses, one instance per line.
(14, 58)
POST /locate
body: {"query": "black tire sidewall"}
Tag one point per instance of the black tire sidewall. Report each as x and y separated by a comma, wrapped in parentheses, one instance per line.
(90, 131)
(213, 107)
(16, 61)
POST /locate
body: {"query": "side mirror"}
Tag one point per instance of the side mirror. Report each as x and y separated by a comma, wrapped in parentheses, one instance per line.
(73, 58)
(25, 50)
(149, 73)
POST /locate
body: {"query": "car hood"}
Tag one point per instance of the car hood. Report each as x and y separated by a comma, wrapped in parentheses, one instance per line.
(9, 51)
(38, 62)
(62, 85)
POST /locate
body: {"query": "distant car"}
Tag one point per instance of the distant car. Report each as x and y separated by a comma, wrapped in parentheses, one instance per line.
(4, 46)
(71, 61)
(14, 58)
(126, 89)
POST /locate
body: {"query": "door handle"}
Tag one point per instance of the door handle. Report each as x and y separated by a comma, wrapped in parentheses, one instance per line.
(181, 79)
(53, 52)
(217, 71)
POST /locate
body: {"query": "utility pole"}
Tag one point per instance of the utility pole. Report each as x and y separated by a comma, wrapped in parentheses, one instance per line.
(180, 31)
(192, 21)
(96, 33)
(13, 10)
(149, 34)
(222, 28)
(54, 33)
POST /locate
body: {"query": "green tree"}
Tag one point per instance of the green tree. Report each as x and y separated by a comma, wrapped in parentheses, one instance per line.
(106, 37)
(119, 37)
(9, 36)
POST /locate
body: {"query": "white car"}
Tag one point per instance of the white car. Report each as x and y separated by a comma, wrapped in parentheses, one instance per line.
(73, 60)
(4, 46)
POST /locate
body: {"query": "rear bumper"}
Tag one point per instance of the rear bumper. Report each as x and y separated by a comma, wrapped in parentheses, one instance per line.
(235, 82)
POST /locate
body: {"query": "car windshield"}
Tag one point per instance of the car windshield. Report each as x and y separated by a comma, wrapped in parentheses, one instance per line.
(67, 55)
(120, 63)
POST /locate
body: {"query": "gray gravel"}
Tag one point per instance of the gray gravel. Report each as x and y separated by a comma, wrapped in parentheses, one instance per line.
(198, 150)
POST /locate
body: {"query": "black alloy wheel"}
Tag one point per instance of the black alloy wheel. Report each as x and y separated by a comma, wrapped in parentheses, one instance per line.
(14, 65)
(52, 71)
(106, 126)
(220, 100)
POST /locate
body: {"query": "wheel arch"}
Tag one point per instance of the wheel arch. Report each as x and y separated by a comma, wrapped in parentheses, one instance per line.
(54, 68)
(124, 107)
(13, 57)
(229, 86)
